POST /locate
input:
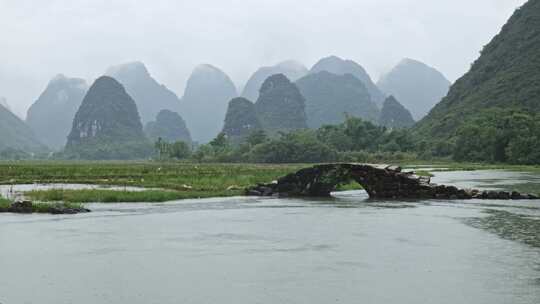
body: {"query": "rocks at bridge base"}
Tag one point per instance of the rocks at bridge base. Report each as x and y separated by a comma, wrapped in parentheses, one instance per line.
(380, 182)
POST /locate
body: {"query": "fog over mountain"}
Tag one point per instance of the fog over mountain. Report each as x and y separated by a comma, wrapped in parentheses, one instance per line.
(205, 101)
(417, 86)
(4, 103)
(292, 69)
(51, 116)
(83, 38)
(150, 96)
(340, 66)
(330, 98)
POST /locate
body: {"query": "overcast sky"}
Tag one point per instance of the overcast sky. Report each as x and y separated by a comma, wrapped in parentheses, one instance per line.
(81, 38)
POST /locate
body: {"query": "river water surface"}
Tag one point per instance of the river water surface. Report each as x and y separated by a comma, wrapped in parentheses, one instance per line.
(250, 250)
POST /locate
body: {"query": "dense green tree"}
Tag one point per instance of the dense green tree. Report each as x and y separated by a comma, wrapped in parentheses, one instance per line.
(295, 147)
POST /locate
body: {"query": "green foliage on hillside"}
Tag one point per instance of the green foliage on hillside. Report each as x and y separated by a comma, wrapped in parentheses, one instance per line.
(500, 136)
(506, 76)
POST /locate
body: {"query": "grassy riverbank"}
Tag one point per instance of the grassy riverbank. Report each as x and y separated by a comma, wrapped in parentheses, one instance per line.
(186, 180)
(191, 180)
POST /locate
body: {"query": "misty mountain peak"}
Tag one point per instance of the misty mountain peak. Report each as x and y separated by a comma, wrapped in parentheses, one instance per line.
(129, 68)
(330, 98)
(416, 85)
(209, 73)
(294, 70)
(340, 66)
(61, 99)
(150, 96)
(4, 103)
(205, 101)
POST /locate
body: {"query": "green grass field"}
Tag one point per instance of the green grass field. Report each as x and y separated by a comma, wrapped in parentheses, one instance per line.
(173, 176)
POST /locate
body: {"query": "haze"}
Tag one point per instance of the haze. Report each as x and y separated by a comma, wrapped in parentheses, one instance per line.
(81, 38)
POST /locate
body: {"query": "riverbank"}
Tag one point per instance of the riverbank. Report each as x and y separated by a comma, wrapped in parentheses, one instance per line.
(120, 196)
(184, 180)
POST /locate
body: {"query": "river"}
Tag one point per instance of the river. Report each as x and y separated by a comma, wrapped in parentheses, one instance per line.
(251, 250)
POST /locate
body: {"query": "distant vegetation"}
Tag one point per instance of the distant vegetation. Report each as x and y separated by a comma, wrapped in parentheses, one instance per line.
(353, 140)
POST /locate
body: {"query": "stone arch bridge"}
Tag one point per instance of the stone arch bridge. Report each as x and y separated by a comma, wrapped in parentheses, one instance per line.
(379, 181)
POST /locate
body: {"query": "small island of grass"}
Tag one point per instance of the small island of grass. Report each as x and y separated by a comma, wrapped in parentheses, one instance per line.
(7, 206)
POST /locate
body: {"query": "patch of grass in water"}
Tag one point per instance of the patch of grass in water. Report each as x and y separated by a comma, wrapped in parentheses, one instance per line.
(113, 196)
(4, 204)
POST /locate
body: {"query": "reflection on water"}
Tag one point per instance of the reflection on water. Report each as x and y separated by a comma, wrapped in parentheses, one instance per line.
(508, 225)
(347, 249)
